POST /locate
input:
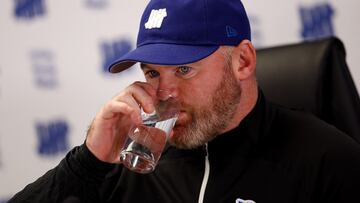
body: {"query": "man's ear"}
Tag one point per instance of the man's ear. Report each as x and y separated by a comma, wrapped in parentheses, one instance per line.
(244, 60)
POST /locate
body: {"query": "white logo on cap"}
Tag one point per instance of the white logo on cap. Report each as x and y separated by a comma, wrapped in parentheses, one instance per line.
(156, 18)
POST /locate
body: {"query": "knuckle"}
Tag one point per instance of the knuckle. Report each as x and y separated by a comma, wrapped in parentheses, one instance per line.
(138, 83)
(108, 106)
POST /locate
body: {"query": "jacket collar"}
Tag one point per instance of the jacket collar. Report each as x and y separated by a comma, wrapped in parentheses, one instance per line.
(251, 130)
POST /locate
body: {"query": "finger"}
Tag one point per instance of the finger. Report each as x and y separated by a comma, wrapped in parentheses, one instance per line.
(130, 109)
(147, 87)
(143, 93)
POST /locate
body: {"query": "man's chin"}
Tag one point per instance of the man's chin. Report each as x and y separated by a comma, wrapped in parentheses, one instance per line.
(176, 138)
(179, 139)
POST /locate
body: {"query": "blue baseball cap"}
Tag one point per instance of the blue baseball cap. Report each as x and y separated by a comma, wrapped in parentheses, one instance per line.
(175, 32)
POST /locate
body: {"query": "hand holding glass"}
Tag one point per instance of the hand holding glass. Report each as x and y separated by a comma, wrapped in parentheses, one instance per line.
(145, 142)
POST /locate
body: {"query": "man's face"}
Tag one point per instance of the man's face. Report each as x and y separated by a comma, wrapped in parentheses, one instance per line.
(209, 95)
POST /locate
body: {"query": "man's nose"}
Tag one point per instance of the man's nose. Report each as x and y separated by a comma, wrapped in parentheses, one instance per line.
(167, 87)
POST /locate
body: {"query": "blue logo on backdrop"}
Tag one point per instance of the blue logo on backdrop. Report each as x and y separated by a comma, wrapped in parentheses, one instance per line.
(113, 50)
(4, 200)
(52, 137)
(29, 9)
(44, 69)
(96, 3)
(317, 21)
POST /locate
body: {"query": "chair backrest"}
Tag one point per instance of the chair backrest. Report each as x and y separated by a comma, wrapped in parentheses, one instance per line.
(312, 76)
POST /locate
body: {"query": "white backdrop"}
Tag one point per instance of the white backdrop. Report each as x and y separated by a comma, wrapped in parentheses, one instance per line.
(52, 54)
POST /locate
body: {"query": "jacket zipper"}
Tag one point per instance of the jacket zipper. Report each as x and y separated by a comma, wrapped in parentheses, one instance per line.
(206, 176)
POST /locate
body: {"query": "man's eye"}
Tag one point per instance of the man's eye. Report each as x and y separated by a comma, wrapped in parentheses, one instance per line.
(152, 73)
(184, 70)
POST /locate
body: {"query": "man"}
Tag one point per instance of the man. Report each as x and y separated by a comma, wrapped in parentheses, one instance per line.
(228, 145)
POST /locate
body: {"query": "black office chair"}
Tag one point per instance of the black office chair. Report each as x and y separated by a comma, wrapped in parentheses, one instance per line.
(312, 76)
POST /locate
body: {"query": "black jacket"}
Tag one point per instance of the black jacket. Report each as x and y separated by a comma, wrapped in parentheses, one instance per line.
(275, 155)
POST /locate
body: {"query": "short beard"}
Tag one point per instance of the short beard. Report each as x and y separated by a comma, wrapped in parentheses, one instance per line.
(211, 120)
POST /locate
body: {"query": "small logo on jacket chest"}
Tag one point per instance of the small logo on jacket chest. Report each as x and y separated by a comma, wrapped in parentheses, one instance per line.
(238, 200)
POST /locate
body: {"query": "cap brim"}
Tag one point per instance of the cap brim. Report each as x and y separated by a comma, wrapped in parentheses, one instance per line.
(162, 54)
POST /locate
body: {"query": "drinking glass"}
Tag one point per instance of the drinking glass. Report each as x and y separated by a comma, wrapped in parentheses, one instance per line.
(145, 142)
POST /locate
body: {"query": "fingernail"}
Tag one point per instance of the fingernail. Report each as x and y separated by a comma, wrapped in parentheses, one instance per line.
(150, 107)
